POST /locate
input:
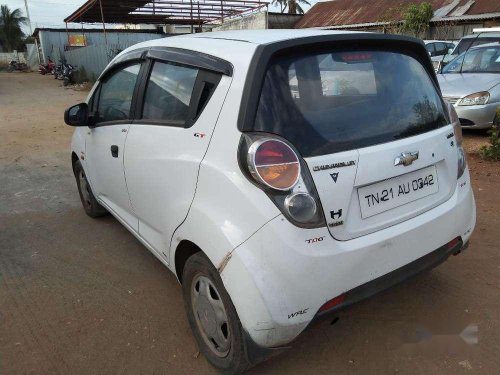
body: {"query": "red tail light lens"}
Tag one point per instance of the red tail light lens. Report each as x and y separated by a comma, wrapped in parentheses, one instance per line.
(274, 163)
(332, 303)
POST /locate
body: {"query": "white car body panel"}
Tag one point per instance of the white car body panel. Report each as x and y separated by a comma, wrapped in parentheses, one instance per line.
(374, 164)
(292, 275)
(162, 192)
(185, 188)
(106, 172)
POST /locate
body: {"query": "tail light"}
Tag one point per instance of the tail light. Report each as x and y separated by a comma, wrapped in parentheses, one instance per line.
(457, 129)
(273, 163)
(275, 166)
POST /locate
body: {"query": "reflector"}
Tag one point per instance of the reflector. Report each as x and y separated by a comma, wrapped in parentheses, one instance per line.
(332, 303)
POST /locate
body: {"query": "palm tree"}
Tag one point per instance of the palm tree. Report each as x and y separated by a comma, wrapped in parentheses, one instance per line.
(11, 35)
(292, 5)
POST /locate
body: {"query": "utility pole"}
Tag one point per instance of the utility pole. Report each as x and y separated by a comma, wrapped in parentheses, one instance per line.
(28, 16)
(31, 30)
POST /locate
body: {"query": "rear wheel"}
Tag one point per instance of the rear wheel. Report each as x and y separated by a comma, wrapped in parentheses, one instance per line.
(212, 316)
(89, 203)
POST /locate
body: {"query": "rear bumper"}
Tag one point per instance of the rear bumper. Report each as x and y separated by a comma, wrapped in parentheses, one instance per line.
(477, 116)
(425, 263)
(278, 281)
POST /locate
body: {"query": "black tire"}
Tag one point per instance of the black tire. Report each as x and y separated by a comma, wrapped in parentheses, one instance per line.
(89, 203)
(65, 81)
(235, 361)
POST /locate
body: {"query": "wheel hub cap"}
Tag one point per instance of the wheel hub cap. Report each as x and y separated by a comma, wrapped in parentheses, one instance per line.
(210, 315)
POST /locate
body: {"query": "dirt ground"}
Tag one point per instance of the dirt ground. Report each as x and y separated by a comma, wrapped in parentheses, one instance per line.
(83, 296)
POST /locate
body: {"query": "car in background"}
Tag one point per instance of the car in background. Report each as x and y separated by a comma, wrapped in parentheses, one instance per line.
(482, 36)
(471, 82)
(437, 49)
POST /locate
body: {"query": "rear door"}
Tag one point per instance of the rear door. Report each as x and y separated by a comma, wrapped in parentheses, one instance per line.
(374, 132)
(166, 145)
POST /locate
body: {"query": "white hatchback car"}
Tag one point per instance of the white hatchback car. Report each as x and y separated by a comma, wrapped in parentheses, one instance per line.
(281, 175)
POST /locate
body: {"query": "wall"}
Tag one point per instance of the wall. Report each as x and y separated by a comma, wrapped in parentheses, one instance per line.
(52, 42)
(7, 57)
(261, 20)
(452, 32)
(251, 22)
(283, 20)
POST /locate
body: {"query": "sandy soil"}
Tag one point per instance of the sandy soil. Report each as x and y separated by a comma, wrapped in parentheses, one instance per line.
(82, 296)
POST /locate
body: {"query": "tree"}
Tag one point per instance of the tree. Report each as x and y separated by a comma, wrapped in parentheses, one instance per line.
(11, 35)
(292, 5)
(416, 18)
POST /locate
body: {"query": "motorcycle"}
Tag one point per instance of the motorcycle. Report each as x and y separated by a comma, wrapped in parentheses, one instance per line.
(47, 68)
(58, 71)
(68, 71)
(16, 65)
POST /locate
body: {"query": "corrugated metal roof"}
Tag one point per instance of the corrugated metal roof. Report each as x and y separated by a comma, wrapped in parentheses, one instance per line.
(349, 12)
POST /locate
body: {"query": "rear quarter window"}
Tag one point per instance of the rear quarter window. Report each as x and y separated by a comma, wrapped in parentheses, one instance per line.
(332, 102)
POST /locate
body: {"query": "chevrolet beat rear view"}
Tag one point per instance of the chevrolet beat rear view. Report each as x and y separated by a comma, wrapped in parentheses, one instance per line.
(281, 175)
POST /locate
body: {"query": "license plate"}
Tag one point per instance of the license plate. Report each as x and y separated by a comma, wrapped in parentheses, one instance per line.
(397, 191)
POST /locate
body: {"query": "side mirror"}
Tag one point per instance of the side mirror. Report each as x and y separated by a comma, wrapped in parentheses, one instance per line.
(77, 115)
(450, 50)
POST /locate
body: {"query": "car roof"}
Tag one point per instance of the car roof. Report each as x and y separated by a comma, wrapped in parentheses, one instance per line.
(439, 41)
(235, 46)
(486, 45)
(483, 35)
(265, 36)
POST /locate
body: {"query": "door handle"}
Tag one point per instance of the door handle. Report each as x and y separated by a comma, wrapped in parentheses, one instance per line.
(114, 151)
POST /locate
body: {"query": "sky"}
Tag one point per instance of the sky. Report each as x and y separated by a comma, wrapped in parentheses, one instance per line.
(50, 13)
(45, 13)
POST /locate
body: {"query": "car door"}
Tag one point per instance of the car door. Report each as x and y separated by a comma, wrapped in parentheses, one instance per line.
(105, 141)
(166, 145)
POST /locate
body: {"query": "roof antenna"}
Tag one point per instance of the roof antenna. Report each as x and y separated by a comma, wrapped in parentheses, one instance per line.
(467, 50)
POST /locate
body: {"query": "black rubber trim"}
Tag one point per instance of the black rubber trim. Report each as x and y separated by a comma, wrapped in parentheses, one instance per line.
(191, 58)
(352, 41)
(256, 353)
(395, 277)
(136, 55)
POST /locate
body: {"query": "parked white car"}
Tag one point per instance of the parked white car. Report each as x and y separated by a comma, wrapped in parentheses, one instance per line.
(281, 175)
(437, 49)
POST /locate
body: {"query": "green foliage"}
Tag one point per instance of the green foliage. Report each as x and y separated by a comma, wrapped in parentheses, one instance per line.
(492, 151)
(292, 5)
(11, 35)
(416, 18)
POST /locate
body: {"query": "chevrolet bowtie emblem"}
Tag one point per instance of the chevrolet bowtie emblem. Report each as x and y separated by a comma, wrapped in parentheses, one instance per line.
(406, 158)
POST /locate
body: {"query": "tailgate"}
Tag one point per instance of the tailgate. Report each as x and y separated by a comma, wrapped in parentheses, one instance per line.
(363, 191)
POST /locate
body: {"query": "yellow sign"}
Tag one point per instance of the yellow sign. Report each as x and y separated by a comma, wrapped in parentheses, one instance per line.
(77, 40)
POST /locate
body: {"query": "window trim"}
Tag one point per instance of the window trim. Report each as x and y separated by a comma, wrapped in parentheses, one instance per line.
(105, 77)
(193, 115)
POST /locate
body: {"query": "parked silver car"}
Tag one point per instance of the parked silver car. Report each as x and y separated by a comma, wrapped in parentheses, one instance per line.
(471, 82)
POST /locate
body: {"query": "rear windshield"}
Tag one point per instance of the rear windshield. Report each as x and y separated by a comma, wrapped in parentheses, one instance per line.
(331, 102)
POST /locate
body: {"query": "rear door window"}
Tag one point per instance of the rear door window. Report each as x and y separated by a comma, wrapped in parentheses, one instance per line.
(168, 93)
(332, 102)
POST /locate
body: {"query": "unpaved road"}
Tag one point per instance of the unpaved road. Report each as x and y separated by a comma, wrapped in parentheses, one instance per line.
(82, 296)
